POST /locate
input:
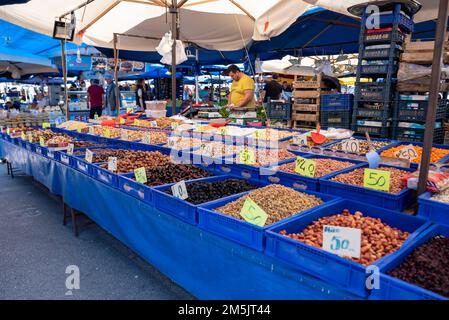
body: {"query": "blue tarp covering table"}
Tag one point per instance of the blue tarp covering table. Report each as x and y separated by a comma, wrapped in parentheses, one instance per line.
(207, 266)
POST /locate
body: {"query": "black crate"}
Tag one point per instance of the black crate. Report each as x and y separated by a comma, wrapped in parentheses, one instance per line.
(373, 54)
(378, 69)
(417, 135)
(384, 37)
(417, 110)
(279, 110)
(375, 91)
(370, 113)
(336, 119)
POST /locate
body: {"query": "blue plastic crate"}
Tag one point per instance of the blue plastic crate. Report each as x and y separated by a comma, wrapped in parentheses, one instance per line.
(435, 211)
(82, 165)
(53, 155)
(295, 180)
(391, 288)
(65, 159)
(30, 146)
(324, 265)
(135, 189)
(104, 175)
(399, 201)
(241, 231)
(180, 208)
(388, 20)
(41, 150)
(337, 102)
(279, 110)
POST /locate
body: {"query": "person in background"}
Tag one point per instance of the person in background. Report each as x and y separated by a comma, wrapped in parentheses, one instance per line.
(95, 98)
(242, 89)
(31, 94)
(286, 91)
(141, 94)
(272, 89)
(73, 87)
(8, 105)
(41, 101)
(111, 96)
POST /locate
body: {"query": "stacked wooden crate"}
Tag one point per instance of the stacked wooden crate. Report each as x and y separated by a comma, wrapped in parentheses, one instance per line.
(306, 101)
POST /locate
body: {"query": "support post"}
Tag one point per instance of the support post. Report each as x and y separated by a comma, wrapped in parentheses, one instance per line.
(117, 90)
(434, 94)
(174, 27)
(64, 74)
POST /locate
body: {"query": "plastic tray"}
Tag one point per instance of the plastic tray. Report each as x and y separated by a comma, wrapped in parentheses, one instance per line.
(297, 181)
(384, 37)
(416, 110)
(336, 270)
(435, 211)
(336, 119)
(82, 165)
(180, 208)
(391, 288)
(104, 175)
(238, 230)
(41, 150)
(398, 201)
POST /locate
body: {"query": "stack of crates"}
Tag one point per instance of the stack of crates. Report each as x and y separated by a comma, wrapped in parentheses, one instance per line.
(379, 55)
(336, 110)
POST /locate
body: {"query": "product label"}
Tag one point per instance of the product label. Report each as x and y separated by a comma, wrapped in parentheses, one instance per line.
(107, 133)
(259, 134)
(342, 241)
(351, 145)
(174, 125)
(141, 175)
(89, 156)
(112, 164)
(122, 121)
(124, 135)
(23, 136)
(153, 124)
(46, 125)
(305, 167)
(42, 142)
(147, 138)
(129, 110)
(407, 153)
(247, 156)
(300, 140)
(70, 149)
(206, 150)
(377, 179)
(254, 214)
(179, 190)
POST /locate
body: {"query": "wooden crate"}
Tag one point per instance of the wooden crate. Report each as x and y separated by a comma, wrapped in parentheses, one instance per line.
(306, 117)
(422, 57)
(315, 84)
(406, 87)
(306, 107)
(420, 46)
(315, 94)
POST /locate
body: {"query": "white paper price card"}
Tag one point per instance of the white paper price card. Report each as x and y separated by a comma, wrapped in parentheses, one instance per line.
(124, 135)
(351, 145)
(89, 156)
(206, 150)
(344, 242)
(407, 153)
(300, 140)
(153, 124)
(147, 138)
(91, 130)
(112, 164)
(172, 142)
(70, 149)
(179, 190)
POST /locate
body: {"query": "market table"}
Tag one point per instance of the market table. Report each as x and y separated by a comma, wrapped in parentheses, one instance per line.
(207, 266)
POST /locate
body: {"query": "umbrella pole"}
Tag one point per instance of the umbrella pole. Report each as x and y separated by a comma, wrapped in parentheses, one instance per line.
(174, 27)
(440, 39)
(197, 85)
(117, 90)
(64, 73)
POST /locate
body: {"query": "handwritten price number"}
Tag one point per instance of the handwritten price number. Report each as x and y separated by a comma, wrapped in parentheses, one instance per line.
(179, 190)
(407, 153)
(153, 124)
(352, 146)
(254, 214)
(147, 139)
(124, 135)
(42, 142)
(300, 140)
(171, 142)
(141, 175)
(70, 149)
(89, 156)
(112, 164)
(377, 179)
(342, 241)
(305, 167)
(23, 136)
(247, 156)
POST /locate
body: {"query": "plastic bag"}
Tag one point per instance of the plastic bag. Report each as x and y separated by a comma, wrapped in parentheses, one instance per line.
(165, 45)
(436, 182)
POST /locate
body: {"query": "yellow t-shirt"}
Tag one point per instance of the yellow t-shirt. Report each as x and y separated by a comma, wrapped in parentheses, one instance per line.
(238, 91)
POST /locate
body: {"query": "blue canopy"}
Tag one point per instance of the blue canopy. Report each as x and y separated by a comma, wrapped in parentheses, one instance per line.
(8, 2)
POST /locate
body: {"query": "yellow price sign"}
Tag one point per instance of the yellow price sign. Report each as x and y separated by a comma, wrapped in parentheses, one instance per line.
(141, 175)
(95, 116)
(129, 110)
(254, 214)
(223, 131)
(30, 137)
(107, 133)
(377, 179)
(79, 130)
(137, 122)
(46, 125)
(42, 142)
(122, 121)
(23, 136)
(305, 167)
(247, 156)
(259, 134)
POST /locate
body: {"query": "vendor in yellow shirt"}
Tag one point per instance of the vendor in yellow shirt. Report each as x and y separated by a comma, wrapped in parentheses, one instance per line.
(242, 89)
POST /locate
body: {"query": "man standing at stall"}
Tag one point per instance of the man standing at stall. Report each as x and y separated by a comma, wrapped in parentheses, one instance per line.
(95, 98)
(242, 89)
(111, 96)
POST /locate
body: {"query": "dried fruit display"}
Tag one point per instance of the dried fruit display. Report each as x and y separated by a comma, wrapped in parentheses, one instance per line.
(323, 166)
(169, 172)
(436, 155)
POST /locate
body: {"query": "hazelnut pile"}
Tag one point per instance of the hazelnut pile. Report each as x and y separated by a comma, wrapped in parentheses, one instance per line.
(323, 166)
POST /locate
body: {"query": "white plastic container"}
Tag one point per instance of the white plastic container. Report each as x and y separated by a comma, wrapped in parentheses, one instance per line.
(156, 105)
(156, 114)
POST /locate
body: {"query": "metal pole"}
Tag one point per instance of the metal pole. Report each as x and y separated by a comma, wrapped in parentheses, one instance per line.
(64, 74)
(197, 85)
(117, 91)
(434, 93)
(174, 27)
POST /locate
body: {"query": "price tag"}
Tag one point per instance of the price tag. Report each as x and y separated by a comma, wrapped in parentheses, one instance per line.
(95, 116)
(153, 124)
(8, 131)
(223, 131)
(407, 153)
(89, 156)
(254, 214)
(174, 125)
(30, 137)
(300, 140)
(91, 130)
(42, 142)
(259, 135)
(305, 167)
(137, 122)
(247, 156)
(206, 150)
(124, 135)
(179, 190)
(377, 179)
(23, 136)
(171, 142)
(70, 149)
(112, 164)
(129, 110)
(141, 175)
(122, 121)
(344, 242)
(79, 130)
(107, 133)
(46, 125)
(147, 138)
(351, 146)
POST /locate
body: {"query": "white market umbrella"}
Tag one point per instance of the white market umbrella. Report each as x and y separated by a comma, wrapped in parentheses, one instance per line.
(20, 63)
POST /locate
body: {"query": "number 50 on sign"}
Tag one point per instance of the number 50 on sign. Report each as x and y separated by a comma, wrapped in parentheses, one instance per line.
(377, 179)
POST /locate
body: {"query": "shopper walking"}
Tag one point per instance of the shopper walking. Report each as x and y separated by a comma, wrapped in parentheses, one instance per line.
(95, 98)
(141, 94)
(111, 96)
